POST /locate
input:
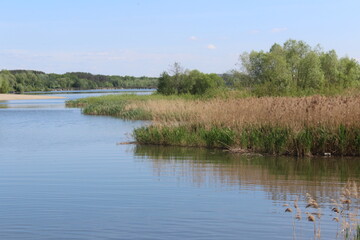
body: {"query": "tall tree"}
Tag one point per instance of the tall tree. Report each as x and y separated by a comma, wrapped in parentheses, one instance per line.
(166, 84)
(330, 65)
(295, 51)
(311, 75)
(277, 71)
(349, 71)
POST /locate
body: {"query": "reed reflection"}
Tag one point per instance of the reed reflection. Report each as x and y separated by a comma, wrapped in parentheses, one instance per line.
(280, 177)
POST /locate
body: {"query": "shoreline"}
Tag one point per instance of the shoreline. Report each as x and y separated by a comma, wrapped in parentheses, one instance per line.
(7, 97)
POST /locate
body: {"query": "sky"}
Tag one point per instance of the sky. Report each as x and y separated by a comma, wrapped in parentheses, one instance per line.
(145, 37)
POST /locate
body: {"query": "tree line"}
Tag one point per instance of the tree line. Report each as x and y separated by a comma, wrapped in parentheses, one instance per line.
(28, 80)
(294, 68)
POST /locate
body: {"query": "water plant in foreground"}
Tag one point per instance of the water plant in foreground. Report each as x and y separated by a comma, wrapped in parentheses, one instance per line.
(343, 213)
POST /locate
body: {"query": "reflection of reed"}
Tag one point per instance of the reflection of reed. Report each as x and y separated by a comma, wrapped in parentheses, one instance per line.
(279, 176)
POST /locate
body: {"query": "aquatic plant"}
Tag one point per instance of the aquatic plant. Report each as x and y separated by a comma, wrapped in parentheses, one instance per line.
(345, 210)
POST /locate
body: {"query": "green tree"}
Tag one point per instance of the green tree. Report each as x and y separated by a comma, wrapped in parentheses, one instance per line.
(330, 65)
(204, 82)
(311, 75)
(254, 65)
(349, 71)
(7, 81)
(182, 82)
(277, 71)
(269, 69)
(166, 84)
(4, 84)
(295, 51)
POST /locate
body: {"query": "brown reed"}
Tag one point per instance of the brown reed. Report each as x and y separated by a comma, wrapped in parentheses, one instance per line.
(345, 209)
(293, 112)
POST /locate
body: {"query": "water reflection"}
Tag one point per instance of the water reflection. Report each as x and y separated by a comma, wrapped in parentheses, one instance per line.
(280, 177)
(67, 95)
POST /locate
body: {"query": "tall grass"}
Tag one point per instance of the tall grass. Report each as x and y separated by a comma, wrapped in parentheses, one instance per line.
(264, 139)
(194, 136)
(276, 125)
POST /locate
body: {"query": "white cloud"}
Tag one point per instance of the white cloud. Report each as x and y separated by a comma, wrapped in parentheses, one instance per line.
(211, 46)
(193, 38)
(278, 30)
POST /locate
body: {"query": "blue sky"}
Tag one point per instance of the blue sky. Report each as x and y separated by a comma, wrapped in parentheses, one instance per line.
(144, 37)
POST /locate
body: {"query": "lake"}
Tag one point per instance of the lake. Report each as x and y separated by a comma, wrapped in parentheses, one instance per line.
(63, 176)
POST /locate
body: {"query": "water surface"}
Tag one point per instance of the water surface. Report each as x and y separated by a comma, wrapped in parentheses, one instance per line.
(63, 176)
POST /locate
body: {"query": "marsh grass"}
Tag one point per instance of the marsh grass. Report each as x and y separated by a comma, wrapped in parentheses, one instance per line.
(268, 139)
(234, 112)
(193, 136)
(299, 126)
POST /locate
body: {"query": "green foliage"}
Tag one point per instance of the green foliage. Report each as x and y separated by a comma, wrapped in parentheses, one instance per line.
(185, 82)
(25, 81)
(330, 67)
(295, 69)
(218, 137)
(112, 105)
(349, 72)
(203, 82)
(269, 139)
(4, 84)
(310, 73)
(193, 136)
(166, 85)
(344, 141)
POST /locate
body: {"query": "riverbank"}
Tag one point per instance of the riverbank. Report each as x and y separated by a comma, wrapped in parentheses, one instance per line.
(7, 97)
(300, 126)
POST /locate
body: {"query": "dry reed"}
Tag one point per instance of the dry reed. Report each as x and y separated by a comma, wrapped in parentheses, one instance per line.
(293, 112)
(298, 126)
(345, 210)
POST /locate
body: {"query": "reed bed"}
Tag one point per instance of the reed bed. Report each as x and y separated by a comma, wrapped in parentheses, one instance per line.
(293, 112)
(315, 125)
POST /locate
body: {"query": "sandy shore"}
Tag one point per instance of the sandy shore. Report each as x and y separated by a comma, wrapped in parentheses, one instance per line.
(5, 97)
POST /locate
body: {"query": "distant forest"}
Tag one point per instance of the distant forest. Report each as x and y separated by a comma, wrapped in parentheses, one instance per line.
(29, 80)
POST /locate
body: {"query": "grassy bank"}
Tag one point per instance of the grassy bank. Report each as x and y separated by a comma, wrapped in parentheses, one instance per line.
(319, 140)
(276, 125)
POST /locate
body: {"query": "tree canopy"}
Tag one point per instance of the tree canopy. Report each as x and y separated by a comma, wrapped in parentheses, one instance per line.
(180, 81)
(295, 67)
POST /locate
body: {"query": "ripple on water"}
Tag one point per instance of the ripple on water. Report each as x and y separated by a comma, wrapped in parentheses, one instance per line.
(62, 176)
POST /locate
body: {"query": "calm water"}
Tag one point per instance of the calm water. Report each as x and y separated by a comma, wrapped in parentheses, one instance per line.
(62, 176)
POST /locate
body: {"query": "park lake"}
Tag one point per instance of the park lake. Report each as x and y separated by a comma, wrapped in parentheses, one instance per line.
(63, 175)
